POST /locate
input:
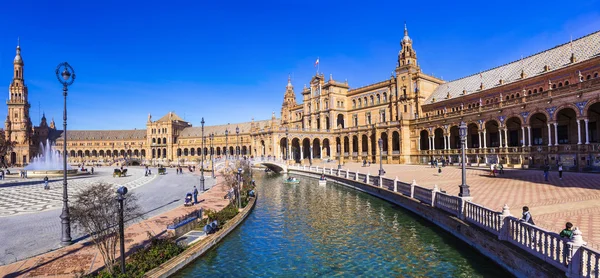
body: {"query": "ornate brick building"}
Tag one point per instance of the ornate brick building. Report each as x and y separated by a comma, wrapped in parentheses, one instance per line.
(544, 108)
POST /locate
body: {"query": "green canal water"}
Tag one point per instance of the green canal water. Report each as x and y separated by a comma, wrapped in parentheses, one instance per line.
(307, 230)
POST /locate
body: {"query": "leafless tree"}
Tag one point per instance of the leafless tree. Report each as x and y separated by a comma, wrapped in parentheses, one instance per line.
(96, 211)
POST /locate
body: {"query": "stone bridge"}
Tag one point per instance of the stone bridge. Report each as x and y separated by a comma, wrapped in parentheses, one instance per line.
(275, 166)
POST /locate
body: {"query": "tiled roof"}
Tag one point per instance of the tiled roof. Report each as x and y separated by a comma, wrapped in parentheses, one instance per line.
(584, 48)
(219, 130)
(135, 134)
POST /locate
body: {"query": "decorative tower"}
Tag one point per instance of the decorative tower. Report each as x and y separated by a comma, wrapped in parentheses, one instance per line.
(407, 57)
(289, 101)
(18, 123)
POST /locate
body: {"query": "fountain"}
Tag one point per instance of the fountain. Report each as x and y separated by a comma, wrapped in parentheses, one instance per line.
(48, 162)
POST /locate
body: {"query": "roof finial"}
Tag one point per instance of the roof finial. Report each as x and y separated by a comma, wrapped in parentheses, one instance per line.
(405, 29)
(18, 42)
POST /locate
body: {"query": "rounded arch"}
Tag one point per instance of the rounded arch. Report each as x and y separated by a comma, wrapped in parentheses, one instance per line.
(326, 148)
(305, 148)
(538, 111)
(589, 104)
(316, 148)
(295, 149)
(566, 106)
(424, 139)
(340, 121)
(566, 126)
(438, 140)
(514, 131)
(395, 142)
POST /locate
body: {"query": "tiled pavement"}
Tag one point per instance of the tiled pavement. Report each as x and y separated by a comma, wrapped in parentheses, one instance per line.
(575, 198)
(19, 196)
(83, 257)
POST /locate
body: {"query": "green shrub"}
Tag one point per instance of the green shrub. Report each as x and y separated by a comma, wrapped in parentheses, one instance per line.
(144, 260)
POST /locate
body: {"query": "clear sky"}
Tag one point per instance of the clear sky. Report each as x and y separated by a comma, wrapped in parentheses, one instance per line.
(228, 61)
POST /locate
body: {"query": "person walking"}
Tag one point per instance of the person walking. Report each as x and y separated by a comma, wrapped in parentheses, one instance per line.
(46, 186)
(546, 172)
(195, 195)
(529, 220)
(92, 170)
(560, 170)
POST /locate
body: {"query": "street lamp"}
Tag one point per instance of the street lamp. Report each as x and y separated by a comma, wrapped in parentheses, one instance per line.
(212, 162)
(464, 188)
(226, 133)
(381, 171)
(202, 157)
(121, 197)
(66, 77)
(237, 142)
(339, 149)
(239, 195)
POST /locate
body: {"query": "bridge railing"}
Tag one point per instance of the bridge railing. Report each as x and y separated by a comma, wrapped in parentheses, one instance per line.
(571, 256)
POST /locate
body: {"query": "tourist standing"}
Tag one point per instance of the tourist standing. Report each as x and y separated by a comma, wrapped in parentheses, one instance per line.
(195, 195)
(560, 170)
(546, 172)
(527, 216)
(92, 170)
(46, 186)
(568, 231)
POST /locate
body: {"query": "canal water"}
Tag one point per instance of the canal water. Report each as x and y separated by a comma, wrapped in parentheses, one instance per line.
(307, 230)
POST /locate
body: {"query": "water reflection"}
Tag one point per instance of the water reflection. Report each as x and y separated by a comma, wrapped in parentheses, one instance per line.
(310, 230)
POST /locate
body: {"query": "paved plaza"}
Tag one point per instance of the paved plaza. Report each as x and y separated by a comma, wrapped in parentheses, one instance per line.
(575, 198)
(29, 215)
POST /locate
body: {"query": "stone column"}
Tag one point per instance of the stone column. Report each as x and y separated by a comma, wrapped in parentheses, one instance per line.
(529, 136)
(310, 151)
(445, 145)
(555, 134)
(369, 148)
(578, 132)
(549, 135)
(505, 137)
(500, 137)
(433, 140)
(301, 152)
(587, 136)
(479, 138)
(484, 140)
(523, 136)
(429, 141)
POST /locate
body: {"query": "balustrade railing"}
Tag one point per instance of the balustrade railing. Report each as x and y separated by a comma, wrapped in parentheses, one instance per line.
(543, 244)
(422, 194)
(571, 256)
(448, 203)
(387, 183)
(483, 217)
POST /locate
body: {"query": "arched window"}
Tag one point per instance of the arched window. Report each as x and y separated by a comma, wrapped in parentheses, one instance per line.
(372, 100)
(378, 99)
(589, 76)
(384, 97)
(560, 84)
(153, 140)
(517, 95)
(359, 102)
(529, 92)
(540, 89)
(567, 83)
(353, 103)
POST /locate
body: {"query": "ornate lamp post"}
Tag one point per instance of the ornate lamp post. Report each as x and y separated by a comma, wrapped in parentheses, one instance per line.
(237, 142)
(226, 134)
(239, 188)
(339, 149)
(202, 162)
(381, 171)
(464, 188)
(120, 198)
(212, 161)
(66, 77)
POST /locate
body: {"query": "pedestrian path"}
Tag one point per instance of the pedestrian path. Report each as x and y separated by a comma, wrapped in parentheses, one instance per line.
(20, 196)
(83, 257)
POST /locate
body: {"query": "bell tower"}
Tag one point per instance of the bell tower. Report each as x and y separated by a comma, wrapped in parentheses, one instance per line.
(289, 101)
(18, 124)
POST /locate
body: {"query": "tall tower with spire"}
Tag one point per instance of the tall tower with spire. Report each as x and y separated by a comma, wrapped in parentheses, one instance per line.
(289, 101)
(407, 57)
(18, 124)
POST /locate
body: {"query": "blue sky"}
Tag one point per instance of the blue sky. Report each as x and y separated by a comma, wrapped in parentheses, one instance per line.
(229, 61)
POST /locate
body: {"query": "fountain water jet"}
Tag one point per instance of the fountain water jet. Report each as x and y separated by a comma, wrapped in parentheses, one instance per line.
(48, 162)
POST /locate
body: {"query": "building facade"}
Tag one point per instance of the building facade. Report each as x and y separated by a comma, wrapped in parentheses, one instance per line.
(542, 109)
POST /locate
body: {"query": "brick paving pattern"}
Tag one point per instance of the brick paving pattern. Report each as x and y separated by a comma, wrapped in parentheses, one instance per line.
(84, 257)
